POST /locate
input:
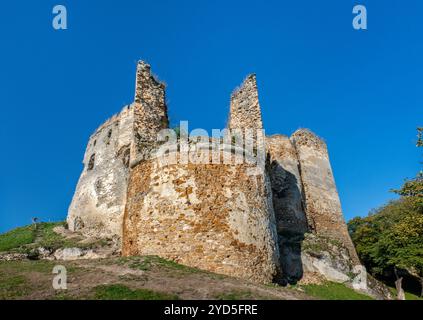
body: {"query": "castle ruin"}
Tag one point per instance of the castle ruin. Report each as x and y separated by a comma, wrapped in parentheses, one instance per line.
(214, 216)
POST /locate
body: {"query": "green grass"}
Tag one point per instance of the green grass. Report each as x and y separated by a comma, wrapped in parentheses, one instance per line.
(235, 295)
(53, 241)
(146, 263)
(47, 238)
(62, 296)
(17, 238)
(121, 292)
(12, 287)
(42, 266)
(27, 239)
(20, 278)
(333, 291)
(408, 295)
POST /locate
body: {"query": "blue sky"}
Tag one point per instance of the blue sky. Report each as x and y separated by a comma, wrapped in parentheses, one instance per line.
(360, 90)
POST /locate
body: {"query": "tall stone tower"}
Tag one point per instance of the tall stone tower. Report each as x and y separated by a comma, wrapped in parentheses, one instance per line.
(288, 203)
(246, 125)
(122, 141)
(216, 217)
(100, 196)
(322, 204)
(150, 113)
(245, 110)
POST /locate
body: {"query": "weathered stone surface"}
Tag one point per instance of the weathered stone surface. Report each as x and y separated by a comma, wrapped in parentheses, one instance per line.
(243, 219)
(288, 204)
(99, 200)
(68, 254)
(150, 113)
(322, 204)
(326, 256)
(286, 186)
(245, 108)
(214, 217)
(12, 256)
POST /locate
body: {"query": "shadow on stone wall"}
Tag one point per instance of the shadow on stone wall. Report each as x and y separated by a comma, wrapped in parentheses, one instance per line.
(290, 220)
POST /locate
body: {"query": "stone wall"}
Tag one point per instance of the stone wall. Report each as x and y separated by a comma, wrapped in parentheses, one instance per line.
(150, 113)
(213, 217)
(323, 207)
(245, 109)
(243, 219)
(100, 197)
(98, 203)
(288, 204)
(286, 185)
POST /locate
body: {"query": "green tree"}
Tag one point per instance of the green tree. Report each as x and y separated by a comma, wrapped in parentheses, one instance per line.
(413, 188)
(420, 137)
(390, 239)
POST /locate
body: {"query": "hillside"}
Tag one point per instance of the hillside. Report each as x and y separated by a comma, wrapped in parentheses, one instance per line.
(95, 270)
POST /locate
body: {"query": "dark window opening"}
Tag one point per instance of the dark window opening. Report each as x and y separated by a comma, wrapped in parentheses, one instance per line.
(108, 137)
(126, 158)
(91, 162)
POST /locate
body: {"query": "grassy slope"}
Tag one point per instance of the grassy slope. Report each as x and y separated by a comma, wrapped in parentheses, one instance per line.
(334, 291)
(408, 296)
(147, 277)
(122, 292)
(17, 238)
(27, 238)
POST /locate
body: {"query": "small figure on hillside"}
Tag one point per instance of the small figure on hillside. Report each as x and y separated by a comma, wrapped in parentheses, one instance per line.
(35, 221)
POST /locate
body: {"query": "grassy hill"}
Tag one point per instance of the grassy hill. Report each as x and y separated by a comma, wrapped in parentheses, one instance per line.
(115, 277)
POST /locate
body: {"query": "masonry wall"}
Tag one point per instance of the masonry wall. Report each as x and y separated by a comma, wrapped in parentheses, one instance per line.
(213, 217)
(286, 185)
(98, 203)
(323, 207)
(150, 113)
(288, 204)
(243, 220)
(245, 108)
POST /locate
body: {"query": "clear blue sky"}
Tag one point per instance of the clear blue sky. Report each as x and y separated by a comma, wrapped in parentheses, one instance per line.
(360, 90)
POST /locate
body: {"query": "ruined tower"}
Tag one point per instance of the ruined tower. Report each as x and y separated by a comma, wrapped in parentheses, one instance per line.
(245, 112)
(245, 219)
(288, 204)
(100, 197)
(322, 203)
(150, 113)
(122, 141)
(212, 216)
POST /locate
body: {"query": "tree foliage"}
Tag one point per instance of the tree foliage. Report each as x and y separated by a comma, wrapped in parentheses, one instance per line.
(391, 237)
(381, 241)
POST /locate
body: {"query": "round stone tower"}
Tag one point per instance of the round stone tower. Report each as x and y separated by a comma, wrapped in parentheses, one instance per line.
(215, 217)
